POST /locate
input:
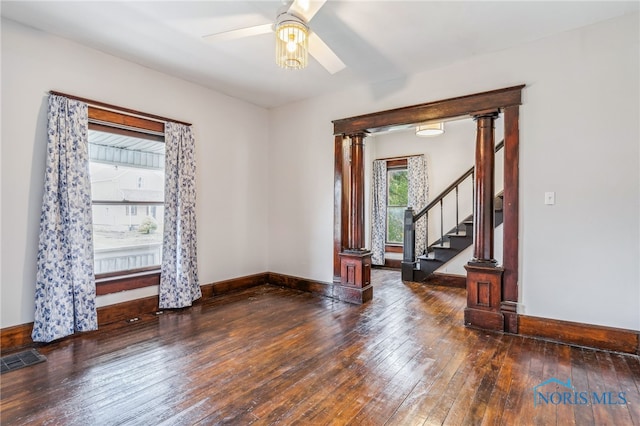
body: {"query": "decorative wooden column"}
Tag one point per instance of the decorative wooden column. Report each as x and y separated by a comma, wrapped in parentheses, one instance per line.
(356, 212)
(484, 278)
(355, 261)
(509, 305)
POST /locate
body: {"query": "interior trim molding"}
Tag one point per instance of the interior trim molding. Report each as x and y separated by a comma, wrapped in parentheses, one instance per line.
(302, 284)
(447, 280)
(16, 336)
(234, 284)
(579, 334)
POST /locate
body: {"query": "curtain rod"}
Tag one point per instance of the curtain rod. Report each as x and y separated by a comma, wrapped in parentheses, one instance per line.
(117, 108)
(404, 157)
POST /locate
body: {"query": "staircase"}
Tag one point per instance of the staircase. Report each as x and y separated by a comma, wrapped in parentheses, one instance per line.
(455, 241)
(450, 244)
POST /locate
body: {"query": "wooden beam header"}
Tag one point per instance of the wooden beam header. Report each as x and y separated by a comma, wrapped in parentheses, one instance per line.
(438, 110)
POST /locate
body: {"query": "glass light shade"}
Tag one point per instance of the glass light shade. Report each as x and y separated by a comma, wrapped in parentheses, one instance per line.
(431, 129)
(292, 45)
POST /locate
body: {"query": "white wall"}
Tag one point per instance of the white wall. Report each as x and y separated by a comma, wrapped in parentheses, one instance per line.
(231, 148)
(580, 137)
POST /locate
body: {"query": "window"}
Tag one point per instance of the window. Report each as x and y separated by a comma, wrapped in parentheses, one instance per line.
(127, 189)
(131, 210)
(397, 199)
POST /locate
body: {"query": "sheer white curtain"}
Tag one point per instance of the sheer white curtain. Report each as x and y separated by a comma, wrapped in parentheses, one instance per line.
(65, 281)
(417, 197)
(179, 285)
(378, 211)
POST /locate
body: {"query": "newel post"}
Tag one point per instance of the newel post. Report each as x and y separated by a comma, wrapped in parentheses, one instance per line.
(355, 260)
(408, 246)
(484, 277)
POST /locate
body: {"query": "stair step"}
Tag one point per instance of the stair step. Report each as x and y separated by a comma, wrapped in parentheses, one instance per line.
(428, 256)
(460, 241)
(428, 264)
(429, 259)
(444, 252)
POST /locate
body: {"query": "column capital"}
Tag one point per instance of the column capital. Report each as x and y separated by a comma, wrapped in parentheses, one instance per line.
(357, 138)
(488, 113)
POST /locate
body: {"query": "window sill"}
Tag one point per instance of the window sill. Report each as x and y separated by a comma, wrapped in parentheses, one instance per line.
(393, 248)
(115, 284)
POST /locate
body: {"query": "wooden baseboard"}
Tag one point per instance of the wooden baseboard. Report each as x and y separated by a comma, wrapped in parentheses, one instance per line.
(393, 263)
(127, 310)
(303, 284)
(19, 336)
(579, 334)
(234, 284)
(447, 280)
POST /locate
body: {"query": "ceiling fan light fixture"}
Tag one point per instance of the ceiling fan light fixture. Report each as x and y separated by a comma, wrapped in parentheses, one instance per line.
(430, 129)
(292, 43)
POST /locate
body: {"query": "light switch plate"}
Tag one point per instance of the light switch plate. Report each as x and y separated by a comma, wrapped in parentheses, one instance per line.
(549, 198)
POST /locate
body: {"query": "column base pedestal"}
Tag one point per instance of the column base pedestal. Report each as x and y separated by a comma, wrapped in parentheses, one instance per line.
(484, 298)
(355, 277)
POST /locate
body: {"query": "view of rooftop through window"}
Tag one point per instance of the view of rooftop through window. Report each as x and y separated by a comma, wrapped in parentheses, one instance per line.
(127, 187)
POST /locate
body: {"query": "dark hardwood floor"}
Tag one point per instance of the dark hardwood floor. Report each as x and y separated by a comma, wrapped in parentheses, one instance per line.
(269, 355)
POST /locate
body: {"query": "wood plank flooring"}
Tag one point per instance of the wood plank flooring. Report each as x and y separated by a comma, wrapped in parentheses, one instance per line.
(269, 355)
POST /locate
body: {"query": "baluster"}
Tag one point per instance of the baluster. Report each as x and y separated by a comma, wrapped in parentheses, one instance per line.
(457, 219)
(441, 222)
(426, 233)
(473, 189)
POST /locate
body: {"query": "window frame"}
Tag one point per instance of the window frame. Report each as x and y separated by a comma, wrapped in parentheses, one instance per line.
(393, 165)
(128, 125)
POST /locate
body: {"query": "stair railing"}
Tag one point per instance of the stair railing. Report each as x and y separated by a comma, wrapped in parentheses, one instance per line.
(410, 219)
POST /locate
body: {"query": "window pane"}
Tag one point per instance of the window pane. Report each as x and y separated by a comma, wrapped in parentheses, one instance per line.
(398, 186)
(127, 187)
(395, 221)
(123, 242)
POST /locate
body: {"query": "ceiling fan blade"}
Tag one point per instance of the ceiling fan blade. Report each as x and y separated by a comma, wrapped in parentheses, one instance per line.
(243, 32)
(323, 54)
(306, 9)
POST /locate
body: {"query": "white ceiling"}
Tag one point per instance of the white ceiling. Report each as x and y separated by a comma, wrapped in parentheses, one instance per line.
(377, 40)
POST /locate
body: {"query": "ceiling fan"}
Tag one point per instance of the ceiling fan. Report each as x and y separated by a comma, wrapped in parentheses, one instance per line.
(293, 37)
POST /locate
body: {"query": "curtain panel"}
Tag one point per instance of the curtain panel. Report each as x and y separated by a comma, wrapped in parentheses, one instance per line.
(65, 282)
(179, 285)
(378, 211)
(417, 198)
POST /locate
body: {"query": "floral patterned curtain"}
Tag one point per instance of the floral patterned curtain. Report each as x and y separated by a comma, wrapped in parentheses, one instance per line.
(179, 285)
(65, 282)
(417, 196)
(378, 211)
